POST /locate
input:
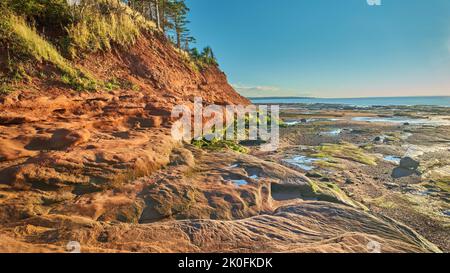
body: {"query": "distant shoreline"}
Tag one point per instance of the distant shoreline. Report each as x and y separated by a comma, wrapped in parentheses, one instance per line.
(437, 101)
(293, 97)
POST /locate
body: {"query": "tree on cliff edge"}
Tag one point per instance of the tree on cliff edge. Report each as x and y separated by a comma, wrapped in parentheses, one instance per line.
(177, 13)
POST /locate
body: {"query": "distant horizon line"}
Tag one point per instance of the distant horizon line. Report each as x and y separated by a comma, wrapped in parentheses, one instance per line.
(308, 97)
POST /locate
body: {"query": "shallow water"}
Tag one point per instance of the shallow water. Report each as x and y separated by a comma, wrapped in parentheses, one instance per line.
(303, 162)
(292, 123)
(239, 182)
(310, 120)
(422, 193)
(392, 159)
(361, 102)
(254, 177)
(334, 132)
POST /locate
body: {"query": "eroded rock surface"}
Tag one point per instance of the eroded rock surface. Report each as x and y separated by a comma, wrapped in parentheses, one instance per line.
(102, 169)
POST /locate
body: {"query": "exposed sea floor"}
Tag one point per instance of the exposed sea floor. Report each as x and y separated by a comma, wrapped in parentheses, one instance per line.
(393, 159)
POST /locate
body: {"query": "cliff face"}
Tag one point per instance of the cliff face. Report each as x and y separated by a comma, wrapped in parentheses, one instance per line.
(43, 120)
(45, 117)
(152, 66)
(62, 142)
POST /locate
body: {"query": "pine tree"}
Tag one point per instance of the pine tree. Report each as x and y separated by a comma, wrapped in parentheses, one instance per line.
(177, 12)
(208, 56)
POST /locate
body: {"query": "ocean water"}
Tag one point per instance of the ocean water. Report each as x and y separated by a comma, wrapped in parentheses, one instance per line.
(361, 102)
(402, 120)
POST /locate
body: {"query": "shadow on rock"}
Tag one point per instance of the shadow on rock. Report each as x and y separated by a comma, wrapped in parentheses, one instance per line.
(401, 172)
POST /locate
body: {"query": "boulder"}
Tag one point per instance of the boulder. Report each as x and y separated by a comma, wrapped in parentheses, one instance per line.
(409, 163)
(402, 172)
(349, 181)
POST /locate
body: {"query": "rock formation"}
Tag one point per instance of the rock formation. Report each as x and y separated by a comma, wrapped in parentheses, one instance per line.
(101, 168)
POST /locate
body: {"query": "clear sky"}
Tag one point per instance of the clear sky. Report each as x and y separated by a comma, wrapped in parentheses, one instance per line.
(328, 48)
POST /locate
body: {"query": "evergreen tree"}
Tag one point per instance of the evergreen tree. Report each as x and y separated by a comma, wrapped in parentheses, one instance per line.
(171, 16)
(177, 12)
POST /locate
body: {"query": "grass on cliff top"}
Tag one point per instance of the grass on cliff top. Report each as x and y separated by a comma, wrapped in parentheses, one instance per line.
(89, 26)
(25, 45)
(74, 30)
(101, 24)
(54, 32)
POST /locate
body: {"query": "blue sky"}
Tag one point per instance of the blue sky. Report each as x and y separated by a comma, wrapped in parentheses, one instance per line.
(328, 48)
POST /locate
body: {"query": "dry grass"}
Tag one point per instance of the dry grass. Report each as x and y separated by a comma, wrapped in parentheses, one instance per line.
(25, 44)
(98, 29)
(94, 26)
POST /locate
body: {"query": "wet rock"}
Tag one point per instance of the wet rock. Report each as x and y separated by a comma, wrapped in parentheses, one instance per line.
(286, 192)
(402, 172)
(349, 181)
(391, 185)
(252, 143)
(409, 163)
(314, 175)
(325, 179)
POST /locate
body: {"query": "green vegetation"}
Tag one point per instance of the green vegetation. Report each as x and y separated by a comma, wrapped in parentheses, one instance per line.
(53, 14)
(55, 32)
(438, 183)
(329, 163)
(113, 84)
(413, 205)
(176, 13)
(444, 184)
(24, 45)
(171, 17)
(203, 59)
(5, 89)
(224, 141)
(97, 25)
(330, 192)
(218, 144)
(345, 151)
(88, 27)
